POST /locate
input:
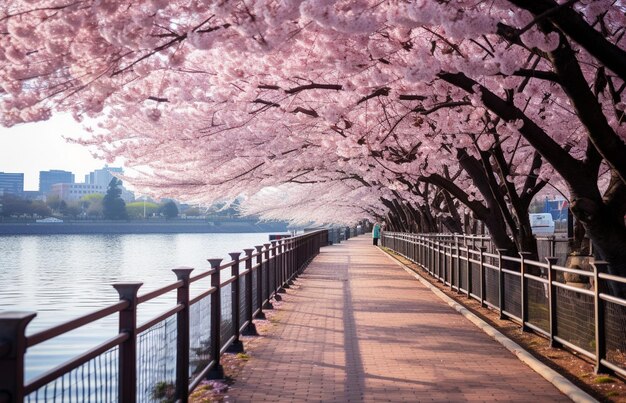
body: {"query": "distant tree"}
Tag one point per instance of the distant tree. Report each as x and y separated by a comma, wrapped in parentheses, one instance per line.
(15, 206)
(169, 209)
(95, 210)
(39, 208)
(90, 198)
(74, 209)
(63, 208)
(113, 206)
(136, 209)
(91, 204)
(54, 202)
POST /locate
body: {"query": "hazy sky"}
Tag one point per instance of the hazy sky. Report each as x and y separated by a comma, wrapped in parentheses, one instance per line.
(35, 147)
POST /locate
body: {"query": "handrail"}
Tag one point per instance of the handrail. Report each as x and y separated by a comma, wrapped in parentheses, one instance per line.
(158, 292)
(611, 277)
(202, 295)
(202, 275)
(228, 281)
(148, 324)
(58, 330)
(573, 271)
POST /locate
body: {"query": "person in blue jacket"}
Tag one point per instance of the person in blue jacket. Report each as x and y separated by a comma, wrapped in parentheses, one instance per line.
(376, 233)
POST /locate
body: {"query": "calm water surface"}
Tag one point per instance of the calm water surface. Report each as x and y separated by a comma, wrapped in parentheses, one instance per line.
(64, 276)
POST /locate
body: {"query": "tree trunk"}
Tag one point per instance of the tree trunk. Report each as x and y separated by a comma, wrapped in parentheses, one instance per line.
(608, 233)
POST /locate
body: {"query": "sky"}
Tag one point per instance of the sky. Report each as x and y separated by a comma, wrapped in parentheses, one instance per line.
(35, 147)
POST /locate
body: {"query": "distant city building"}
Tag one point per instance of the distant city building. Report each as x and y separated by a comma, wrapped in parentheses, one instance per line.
(12, 183)
(49, 178)
(102, 177)
(75, 191)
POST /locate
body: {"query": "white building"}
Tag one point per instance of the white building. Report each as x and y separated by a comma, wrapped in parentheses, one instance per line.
(75, 191)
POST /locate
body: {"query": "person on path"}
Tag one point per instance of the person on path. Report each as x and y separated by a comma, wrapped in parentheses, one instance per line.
(376, 233)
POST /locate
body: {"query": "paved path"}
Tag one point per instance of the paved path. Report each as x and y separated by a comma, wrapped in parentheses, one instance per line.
(360, 328)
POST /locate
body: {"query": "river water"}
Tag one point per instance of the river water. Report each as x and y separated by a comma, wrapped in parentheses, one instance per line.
(64, 276)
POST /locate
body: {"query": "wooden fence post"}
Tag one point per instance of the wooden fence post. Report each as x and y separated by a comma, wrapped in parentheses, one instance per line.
(12, 351)
(250, 329)
(217, 372)
(127, 372)
(182, 335)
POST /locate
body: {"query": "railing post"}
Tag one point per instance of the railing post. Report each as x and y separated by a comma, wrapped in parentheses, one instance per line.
(436, 256)
(405, 245)
(444, 262)
(285, 273)
(451, 266)
(431, 257)
(483, 291)
(217, 372)
(235, 293)
(274, 266)
(182, 335)
(600, 368)
(127, 371)
(299, 257)
(456, 264)
(260, 280)
(292, 259)
(501, 283)
(468, 272)
(292, 271)
(266, 255)
(12, 351)
(294, 256)
(282, 276)
(552, 299)
(250, 329)
(278, 265)
(523, 292)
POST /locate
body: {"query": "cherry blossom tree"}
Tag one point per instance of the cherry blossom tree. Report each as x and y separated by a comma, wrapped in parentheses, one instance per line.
(414, 109)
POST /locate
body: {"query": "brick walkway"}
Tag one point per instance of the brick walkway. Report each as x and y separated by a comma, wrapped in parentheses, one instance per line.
(360, 328)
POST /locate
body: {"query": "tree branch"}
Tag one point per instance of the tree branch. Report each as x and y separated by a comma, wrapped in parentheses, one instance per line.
(314, 86)
(574, 26)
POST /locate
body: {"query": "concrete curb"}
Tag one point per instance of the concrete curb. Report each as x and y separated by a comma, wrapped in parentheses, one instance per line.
(559, 381)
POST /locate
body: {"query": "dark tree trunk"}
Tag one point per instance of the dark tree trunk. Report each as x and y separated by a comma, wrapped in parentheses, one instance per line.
(608, 233)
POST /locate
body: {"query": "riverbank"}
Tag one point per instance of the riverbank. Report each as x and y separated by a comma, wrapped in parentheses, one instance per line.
(140, 227)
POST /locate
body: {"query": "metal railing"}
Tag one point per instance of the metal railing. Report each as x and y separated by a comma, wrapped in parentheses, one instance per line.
(573, 308)
(337, 234)
(166, 357)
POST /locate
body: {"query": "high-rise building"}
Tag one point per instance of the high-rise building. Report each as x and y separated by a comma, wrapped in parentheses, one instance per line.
(102, 177)
(11, 183)
(49, 178)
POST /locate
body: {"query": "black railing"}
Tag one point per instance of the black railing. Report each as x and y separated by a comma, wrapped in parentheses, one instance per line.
(166, 357)
(573, 308)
